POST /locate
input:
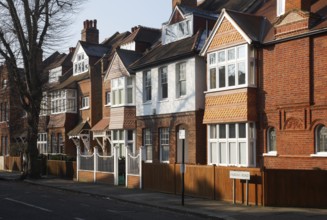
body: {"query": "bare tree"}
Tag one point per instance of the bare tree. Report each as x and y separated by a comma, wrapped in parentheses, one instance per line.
(27, 29)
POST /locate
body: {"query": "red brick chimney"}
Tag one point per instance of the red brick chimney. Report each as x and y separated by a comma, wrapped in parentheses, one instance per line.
(190, 3)
(90, 33)
(303, 5)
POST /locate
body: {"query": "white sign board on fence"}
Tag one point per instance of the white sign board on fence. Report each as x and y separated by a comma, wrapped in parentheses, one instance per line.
(181, 134)
(242, 175)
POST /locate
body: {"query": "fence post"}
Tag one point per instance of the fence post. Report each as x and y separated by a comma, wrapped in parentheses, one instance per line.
(95, 162)
(141, 159)
(78, 161)
(126, 165)
(116, 165)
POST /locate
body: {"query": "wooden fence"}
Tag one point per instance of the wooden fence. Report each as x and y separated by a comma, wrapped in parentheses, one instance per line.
(63, 169)
(210, 182)
(299, 188)
(12, 163)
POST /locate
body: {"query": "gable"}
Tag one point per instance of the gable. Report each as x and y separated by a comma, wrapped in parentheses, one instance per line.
(226, 35)
(79, 50)
(116, 69)
(293, 16)
(176, 16)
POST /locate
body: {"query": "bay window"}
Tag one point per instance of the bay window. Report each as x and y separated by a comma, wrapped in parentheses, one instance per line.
(63, 101)
(231, 68)
(232, 144)
(122, 90)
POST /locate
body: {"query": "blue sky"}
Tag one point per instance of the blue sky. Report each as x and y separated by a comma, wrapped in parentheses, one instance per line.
(119, 15)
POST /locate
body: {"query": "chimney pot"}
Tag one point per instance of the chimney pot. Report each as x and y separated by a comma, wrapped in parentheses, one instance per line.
(95, 23)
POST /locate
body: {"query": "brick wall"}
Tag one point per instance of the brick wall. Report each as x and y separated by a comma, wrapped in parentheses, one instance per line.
(196, 134)
(292, 97)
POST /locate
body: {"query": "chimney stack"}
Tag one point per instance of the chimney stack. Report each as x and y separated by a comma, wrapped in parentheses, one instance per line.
(71, 49)
(190, 3)
(90, 33)
(303, 5)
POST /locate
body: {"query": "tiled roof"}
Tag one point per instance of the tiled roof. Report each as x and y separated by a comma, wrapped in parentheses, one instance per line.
(236, 5)
(143, 34)
(79, 128)
(197, 11)
(102, 125)
(95, 50)
(128, 56)
(254, 26)
(164, 53)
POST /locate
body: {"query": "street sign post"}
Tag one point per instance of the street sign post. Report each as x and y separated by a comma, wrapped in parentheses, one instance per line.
(182, 137)
(242, 175)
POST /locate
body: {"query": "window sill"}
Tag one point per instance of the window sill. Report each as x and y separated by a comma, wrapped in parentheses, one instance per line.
(107, 105)
(319, 155)
(270, 154)
(148, 161)
(229, 88)
(85, 108)
(163, 100)
(181, 98)
(147, 103)
(165, 162)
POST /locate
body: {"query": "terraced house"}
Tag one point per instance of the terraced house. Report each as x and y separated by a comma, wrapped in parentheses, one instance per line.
(245, 80)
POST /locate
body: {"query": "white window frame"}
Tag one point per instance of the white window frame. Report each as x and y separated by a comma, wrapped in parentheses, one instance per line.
(317, 138)
(108, 98)
(249, 141)
(118, 138)
(81, 64)
(147, 143)
(164, 143)
(85, 103)
(42, 143)
(280, 7)
(119, 91)
(63, 101)
(147, 86)
(163, 81)
(214, 63)
(180, 80)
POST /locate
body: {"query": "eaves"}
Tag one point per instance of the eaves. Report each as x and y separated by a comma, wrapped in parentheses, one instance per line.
(163, 61)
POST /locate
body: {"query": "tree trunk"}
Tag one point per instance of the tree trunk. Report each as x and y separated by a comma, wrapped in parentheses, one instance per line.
(33, 163)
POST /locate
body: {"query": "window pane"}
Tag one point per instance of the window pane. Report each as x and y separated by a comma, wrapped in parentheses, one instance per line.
(164, 91)
(214, 153)
(212, 58)
(130, 95)
(231, 54)
(242, 153)
(222, 77)
(221, 56)
(241, 73)
(241, 52)
(213, 131)
(183, 88)
(323, 139)
(222, 131)
(232, 153)
(251, 153)
(231, 75)
(165, 153)
(222, 153)
(232, 133)
(271, 139)
(213, 78)
(242, 130)
(130, 135)
(148, 152)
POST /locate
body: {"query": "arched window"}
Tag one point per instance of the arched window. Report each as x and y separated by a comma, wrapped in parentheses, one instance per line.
(321, 139)
(271, 140)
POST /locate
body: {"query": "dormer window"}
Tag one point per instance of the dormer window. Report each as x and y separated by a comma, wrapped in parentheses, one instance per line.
(177, 31)
(54, 74)
(81, 64)
(280, 7)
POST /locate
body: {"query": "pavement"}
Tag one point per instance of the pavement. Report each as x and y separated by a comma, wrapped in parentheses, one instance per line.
(206, 208)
